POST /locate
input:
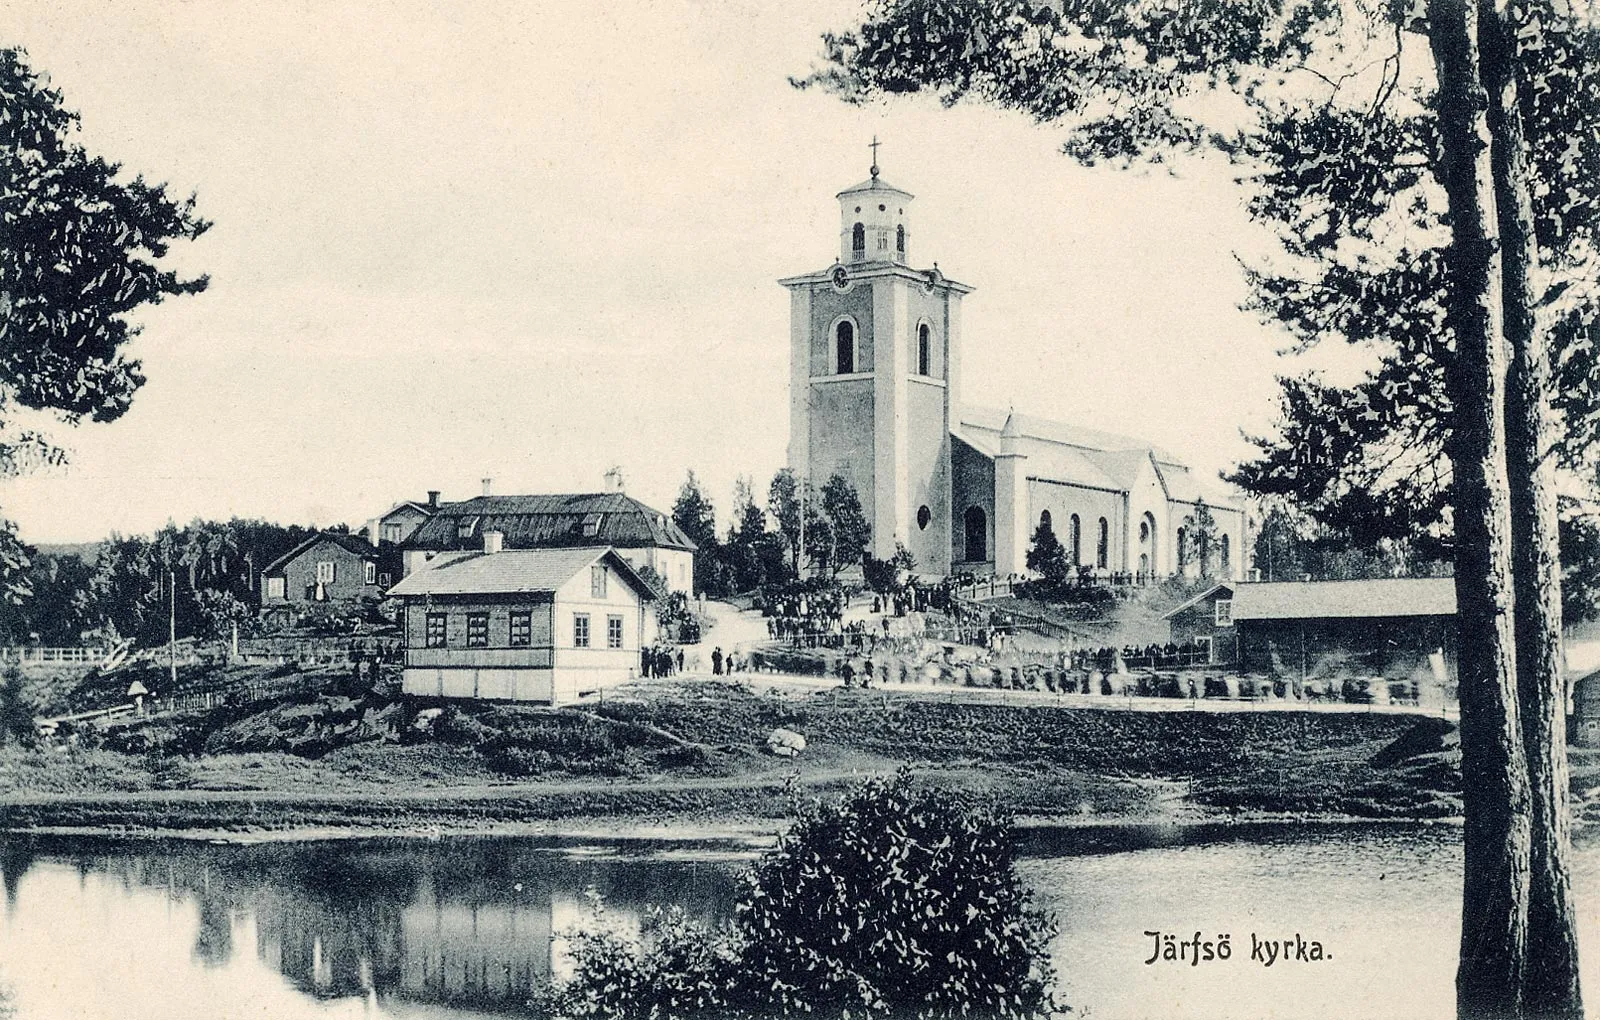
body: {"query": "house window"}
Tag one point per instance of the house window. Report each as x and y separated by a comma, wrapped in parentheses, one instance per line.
(924, 350)
(613, 632)
(464, 527)
(1102, 551)
(371, 572)
(391, 532)
(597, 581)
(275, 588)
(435, 630)
(477, 630)
(844, 348)
(580, 630)
(327, 570)
(591, 525)
(858, 239)
(1224, 616)
(385, 579)
(521, 630)
(1205, 642)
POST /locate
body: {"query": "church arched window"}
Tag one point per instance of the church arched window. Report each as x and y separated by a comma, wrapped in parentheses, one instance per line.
(977, 528)
(1075, 544)
(1183, 549)
(858, 239)
(1225, 554)
(1044, 520)
(900, 239)
(1102, 552)
(924, 350)
(844, 347)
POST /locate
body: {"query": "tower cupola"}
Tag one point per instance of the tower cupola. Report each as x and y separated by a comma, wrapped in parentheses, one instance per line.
(872, 216)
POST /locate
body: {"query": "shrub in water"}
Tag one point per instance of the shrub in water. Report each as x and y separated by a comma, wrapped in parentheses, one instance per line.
(890, 902)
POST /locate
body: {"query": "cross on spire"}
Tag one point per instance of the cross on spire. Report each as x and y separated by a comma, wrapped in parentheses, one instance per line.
(874, 148)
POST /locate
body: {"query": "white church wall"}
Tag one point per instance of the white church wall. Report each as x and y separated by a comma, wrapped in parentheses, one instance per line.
(928, 455)
(1062, 500)
(972, 485)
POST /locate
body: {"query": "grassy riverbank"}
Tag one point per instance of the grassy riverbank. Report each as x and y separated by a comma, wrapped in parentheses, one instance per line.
(693, 752)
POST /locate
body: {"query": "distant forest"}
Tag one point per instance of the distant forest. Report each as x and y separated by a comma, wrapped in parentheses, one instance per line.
(121, 588)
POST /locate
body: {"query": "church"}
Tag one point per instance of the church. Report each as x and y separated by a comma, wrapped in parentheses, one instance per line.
(875, 396)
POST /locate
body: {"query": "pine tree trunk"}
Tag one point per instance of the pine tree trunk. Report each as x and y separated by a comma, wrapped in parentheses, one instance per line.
(1493, 766)
(1550, 987)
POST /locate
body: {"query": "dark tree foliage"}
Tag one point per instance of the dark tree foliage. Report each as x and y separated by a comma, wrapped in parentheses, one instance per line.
(848, 532)
(79, 251)
(694, 513)
(891, 902)
(1047, 555)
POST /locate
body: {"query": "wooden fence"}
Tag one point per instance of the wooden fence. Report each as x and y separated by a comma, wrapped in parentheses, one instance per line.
(40, 655)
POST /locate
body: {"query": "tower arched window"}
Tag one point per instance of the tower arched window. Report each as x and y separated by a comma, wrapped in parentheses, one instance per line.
(924, 350)
(844, 347)
(1075, 545)
(858, 239)
(1102, 552)
(900, 238)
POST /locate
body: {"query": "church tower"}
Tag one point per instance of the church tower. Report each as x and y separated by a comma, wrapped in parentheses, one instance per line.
(874, 375)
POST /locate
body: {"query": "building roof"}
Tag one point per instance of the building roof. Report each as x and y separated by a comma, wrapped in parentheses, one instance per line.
(355, 544)
(514, 572)
(546, 522)
(1084, 456)
(1225, 589)
(420, 507)
(874, 183)
(1382, 597)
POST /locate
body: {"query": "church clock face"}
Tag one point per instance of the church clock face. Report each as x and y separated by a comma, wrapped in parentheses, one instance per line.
(841, 279)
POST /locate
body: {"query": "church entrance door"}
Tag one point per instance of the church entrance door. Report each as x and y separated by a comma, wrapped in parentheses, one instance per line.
(977, 527)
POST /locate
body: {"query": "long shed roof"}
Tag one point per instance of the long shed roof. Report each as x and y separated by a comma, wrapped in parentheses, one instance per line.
(587, 520)
(1382, 597)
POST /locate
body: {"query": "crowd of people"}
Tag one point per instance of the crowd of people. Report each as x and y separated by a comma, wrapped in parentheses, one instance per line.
(660, 661)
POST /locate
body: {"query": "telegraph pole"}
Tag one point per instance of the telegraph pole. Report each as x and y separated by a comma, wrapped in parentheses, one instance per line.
(172, 629)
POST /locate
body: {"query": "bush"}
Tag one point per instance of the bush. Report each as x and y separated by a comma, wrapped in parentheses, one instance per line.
(889, 902)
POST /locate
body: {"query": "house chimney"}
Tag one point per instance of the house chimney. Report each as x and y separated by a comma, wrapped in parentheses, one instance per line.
(492, 541)
(614, 480)
(433, 499)
(372, 532)
(488, 486)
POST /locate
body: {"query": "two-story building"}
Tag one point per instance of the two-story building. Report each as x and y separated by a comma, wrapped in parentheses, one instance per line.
(543, 625)
(642, 535)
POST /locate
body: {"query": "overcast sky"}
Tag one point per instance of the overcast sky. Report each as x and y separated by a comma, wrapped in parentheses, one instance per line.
(534, 240)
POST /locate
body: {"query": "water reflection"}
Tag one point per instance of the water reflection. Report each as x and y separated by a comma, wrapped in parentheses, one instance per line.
(468, 927)
(469, 923)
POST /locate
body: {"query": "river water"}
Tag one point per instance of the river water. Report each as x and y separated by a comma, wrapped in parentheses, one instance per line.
(465, 927)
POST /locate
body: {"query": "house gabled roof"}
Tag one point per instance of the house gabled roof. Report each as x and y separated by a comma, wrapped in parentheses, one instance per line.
(1225, 586)
(515, 572)
(550, 522)
(412, 504)
(1381, 597)
(351, 543)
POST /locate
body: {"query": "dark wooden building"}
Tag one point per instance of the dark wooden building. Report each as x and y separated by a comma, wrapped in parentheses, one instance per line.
(1207, 619)
(328, 567)
(1398, 628)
